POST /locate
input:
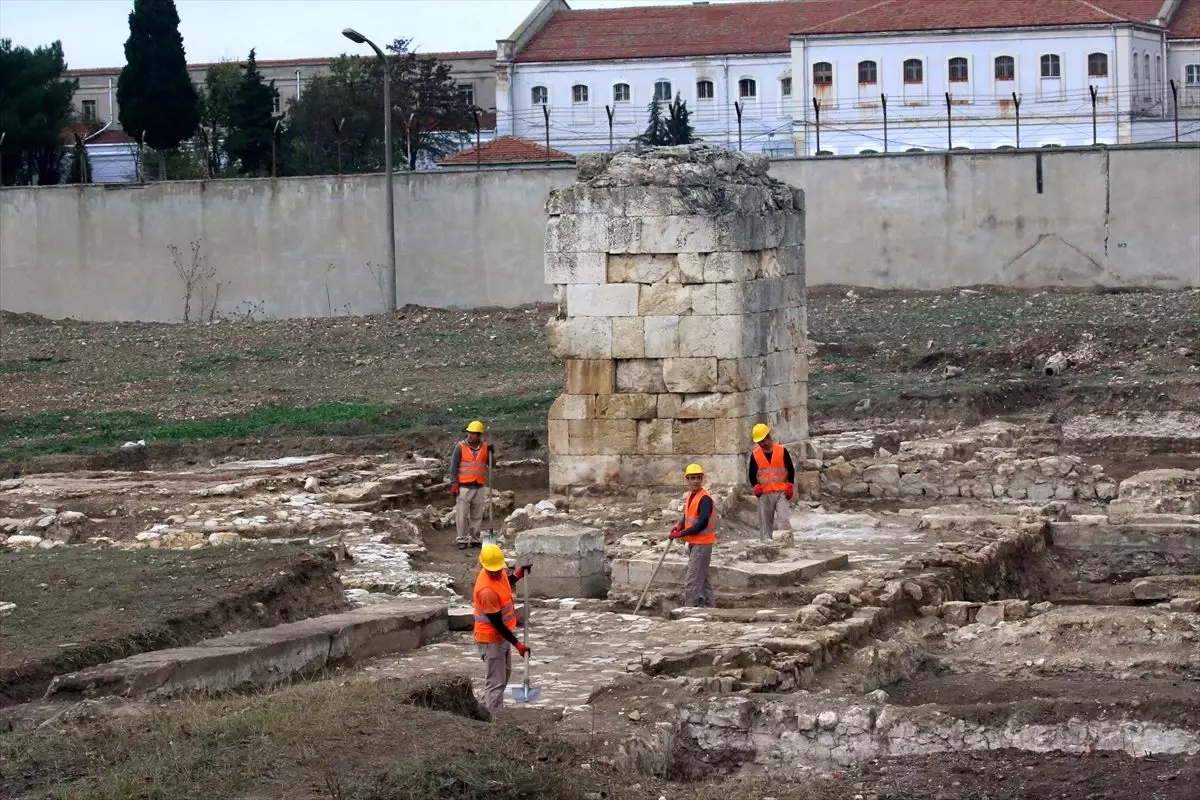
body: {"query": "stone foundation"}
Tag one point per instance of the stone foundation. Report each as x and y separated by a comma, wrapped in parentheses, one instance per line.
(568, 561)
(680, 276)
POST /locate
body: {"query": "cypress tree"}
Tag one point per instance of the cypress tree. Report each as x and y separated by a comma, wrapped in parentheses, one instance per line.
(252, 121)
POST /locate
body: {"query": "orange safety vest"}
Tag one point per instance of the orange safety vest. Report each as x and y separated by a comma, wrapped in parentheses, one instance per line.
(485, 632)
(472, 468)
(691, 516)
(772, 474)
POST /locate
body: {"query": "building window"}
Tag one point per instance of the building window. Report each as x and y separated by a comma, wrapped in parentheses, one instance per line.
(1051, 66)
(579, 93)
(914, 71)
(1135, 70)
(705, 90)
(466, 94)
(785, 87)
(275, 104)
(1191, 74)
(540, 95)
(1147, 95)
(959, 73)
(89, 110)
(868, 72)
(662, 91)
(747, 88)
(1006, 68)
(621, 93)
(823, 74)
(1098, 65)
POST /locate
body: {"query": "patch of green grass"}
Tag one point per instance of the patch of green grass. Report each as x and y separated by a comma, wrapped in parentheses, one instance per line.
(15, 367)
(80, 431)
(210, 362)
(269, 354)
(837, 358)
(136, 377)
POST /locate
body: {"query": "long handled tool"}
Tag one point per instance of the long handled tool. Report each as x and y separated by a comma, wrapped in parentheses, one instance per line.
(487, 482)
(653, 575)
(526, 693)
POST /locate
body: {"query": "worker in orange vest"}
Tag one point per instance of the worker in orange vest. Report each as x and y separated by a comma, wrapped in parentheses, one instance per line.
(698, 529)
(774, 480)
(469, 465)
(496, 622)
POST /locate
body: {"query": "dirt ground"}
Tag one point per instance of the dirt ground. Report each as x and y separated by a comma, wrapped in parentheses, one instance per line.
(79, 607)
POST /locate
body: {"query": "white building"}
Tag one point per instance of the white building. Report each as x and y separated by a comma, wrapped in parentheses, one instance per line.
(564, 72)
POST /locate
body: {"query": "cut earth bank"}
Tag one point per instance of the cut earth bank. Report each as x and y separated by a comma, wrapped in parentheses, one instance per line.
(910, 628)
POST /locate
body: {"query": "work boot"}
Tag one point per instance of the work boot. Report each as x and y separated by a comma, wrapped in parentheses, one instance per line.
(461, 545)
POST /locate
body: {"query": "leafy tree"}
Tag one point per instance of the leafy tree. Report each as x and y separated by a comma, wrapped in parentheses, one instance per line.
(252, 121)
(675, 128)
(35, 107)
(157, 98)
(431, 116)
(221, 83)
(81, 168)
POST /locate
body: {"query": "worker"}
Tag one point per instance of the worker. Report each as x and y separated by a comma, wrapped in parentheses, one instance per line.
(470, 463)
(774, 480)
(496, 621)
(698, 529)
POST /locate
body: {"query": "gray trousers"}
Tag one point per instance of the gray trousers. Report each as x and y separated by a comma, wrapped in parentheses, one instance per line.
(774, 514)
(468, 512)
(696, 591)
(497, 660)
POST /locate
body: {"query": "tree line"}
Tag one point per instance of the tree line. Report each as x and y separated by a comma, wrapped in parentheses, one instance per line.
(228, 125)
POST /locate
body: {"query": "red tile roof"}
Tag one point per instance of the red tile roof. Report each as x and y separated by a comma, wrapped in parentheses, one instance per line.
(507, 150)
(766, 27)
(1185, 22)
(452, 55)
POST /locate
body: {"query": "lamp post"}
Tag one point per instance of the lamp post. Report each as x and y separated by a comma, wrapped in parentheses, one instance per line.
(358, 38)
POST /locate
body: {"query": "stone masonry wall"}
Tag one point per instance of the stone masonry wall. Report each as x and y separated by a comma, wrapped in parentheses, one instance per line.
(680, 278)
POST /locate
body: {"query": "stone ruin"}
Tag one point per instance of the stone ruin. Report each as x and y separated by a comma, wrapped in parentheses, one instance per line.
(680, 278)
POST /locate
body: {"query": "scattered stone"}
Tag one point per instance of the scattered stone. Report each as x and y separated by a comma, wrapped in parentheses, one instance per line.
(1040, 608)
(1185, 604)
(878, 696)
(312, 484)
(990, 614)
(148, 536)
(24, 541)
(223, 537)
(827, 720)
(7, 608)
(958, 612)
(784, 538)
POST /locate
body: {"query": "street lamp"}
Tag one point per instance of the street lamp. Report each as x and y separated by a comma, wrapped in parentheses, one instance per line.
(358, 38)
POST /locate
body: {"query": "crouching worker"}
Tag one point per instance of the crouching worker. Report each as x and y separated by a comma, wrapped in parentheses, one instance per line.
(496, 622)
(699, 530)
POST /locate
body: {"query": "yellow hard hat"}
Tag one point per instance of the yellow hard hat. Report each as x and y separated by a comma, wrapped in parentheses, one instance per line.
(492, 557)
(693, 469)
(760, 432)
(475, 426)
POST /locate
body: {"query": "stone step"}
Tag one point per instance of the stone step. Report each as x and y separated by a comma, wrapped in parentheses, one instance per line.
(794, 568)
(264, 656)
(1181, 538)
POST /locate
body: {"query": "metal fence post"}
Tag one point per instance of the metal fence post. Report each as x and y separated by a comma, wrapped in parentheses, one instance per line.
(1175, 102)
(949, 125)
(883, 99)
(737, 106)
(1095, 136)
(1017, 106)
(817, 110)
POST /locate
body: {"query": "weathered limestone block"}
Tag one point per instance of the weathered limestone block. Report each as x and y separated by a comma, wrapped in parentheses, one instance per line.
(655, 437)
(694, 436)
(631, 405)
(567, 560)
(640, 375)
(662, 336)
(678, 234)
(1157, 491)
(645, 268)
(572, 406)
(720, 336)
(591, 376)
(580, 337)
(566, 268)
(676, 299)
(691, 267)
(628, 337)
(602, 300)
(732, 267)
(603, 437)
(690, 375)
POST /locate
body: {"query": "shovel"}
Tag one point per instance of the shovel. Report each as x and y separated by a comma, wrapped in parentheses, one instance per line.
(653, 575)
(526, 693)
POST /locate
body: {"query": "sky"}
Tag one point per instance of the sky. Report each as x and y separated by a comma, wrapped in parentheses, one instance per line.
(93, 32)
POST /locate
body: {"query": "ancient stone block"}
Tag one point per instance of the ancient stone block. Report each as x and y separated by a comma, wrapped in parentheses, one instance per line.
(677, 234)
(662, 336)
(602, 437)
(718, 336)
(740, 374)
(628, 337)
(558, 436)
(580, 337)
(577, 233)
(602, 300)
(565, 267)
(642, 268)
(590, 376)
(655, 437)
(689, 375)
(675, 299)
(732, 435)
(694, 436)
(640, 375)
(731, 267)
(567, 561)
(625, 406)
(572, 470)
(572, 406)
(691, 267)
(714, 405)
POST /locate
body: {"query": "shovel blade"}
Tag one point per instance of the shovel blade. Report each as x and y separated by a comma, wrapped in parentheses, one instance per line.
(526, 694)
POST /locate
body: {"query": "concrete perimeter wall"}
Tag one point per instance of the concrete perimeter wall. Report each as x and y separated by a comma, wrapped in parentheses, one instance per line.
(306, 246)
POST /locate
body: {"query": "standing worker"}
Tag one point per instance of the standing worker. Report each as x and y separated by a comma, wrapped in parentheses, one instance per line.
(698, 529)
(774, 479)
(469, 466)
(495, 622)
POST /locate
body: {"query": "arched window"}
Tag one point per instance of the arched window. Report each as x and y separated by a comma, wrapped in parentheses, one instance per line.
(1098, 65)
(579, 93)
(822, 74)
(914, 71)
(1051, 66)
(1006, 68)
(959, 72)
(621, 93)
(540, 95)
(705, 90)
(662, 91)
(747, 88)
(1135, 69)
(868, 72)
